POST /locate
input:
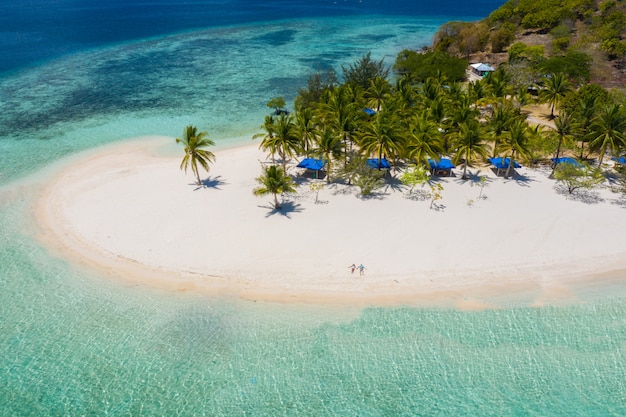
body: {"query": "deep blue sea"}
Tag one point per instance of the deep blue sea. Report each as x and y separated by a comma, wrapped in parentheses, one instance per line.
(76, 74)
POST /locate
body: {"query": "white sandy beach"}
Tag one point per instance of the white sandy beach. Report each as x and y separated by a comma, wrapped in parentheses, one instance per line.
(130, 212)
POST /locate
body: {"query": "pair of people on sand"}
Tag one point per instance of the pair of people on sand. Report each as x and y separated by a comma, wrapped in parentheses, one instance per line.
(361, 269)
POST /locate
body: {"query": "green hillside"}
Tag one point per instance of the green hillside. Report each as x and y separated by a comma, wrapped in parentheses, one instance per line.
(583, 38)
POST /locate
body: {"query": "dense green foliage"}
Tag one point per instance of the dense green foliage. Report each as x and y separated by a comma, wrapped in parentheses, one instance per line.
(577, 29)
(542, 14)
(431, 115)
(363, 71)
(420, 66)
(575, 65)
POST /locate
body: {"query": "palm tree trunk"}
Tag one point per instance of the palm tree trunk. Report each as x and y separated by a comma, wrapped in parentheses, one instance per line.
(602, 152)
(556, 157)
(276, 205)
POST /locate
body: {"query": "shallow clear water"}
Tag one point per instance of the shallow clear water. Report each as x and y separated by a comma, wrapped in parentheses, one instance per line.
(73, 343)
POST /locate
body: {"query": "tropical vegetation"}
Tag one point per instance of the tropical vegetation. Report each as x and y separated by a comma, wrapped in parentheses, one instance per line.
(411, 120)
(195, 151)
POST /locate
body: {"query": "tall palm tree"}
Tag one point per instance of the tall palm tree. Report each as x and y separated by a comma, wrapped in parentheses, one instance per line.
(584, 117)
(274, 181)
(563, 130)
(377, 91)
(267, 143)
(404, 93)
(501, 119)
(380, 137)
(328, 146)
(468, 143)
(556, 86)
(305, 128)
(516, 142)
(283, 139)
(477, 90)
(608, 130)
(194, 150)
(339, 112)
(422, 139)
(287, 136)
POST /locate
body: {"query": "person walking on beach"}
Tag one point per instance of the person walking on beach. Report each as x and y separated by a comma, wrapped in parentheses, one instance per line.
(361, 269)
(352, 268)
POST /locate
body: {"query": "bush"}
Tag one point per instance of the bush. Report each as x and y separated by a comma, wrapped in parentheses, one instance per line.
(560, 44)
(575, 177)
(575, 65)
(502, 38)
(421, 66)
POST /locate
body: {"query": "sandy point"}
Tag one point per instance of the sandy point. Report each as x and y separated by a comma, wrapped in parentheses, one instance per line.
(128, 211)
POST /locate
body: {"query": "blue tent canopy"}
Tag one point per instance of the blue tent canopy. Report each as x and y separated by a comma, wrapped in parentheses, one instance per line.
(442, 167)
(374, 163)
(369, 112)
(620, 160)
(566, 160)
(312, 163)
(503, 163)
(442, 164)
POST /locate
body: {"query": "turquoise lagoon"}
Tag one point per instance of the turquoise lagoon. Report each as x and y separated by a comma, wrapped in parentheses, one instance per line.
(74, 343)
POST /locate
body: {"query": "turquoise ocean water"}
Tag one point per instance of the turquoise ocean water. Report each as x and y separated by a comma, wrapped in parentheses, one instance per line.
(74, 343)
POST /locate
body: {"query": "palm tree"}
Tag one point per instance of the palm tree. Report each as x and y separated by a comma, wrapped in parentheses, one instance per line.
(328, 146)
(563, 130)
(380, 137)
(468, 143)
(305, 128)
(422, 139)
(339, 113)
(194, 153)
(608, 130)
(274, 181)
(501, 119)
(584, 115)
(287, 138)
(556, 86)
(282, 139)
(378, 89)
(267, 144)
(516, 142)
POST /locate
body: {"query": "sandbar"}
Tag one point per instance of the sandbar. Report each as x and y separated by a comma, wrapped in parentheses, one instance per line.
(128, 211)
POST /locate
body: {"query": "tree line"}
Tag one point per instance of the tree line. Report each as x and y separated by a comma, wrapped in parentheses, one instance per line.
(414, 118)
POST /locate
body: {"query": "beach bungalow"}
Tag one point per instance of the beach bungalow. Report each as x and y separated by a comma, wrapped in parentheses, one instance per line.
(481, 69)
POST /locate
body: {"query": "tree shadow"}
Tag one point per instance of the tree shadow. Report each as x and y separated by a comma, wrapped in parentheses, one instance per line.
(620, 201)
(474, 178)
(417, 195)
(581, 195)
(394, 183)
(211, 182)
(374, 195)
(342, 188)
(438, 207)
(520, 179)
(285, 209)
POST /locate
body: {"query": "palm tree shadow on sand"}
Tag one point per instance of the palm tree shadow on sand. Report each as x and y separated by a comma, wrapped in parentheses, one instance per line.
(211, 182)
(285, 209)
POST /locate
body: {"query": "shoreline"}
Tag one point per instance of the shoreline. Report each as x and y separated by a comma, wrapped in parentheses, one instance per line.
(99, 210)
